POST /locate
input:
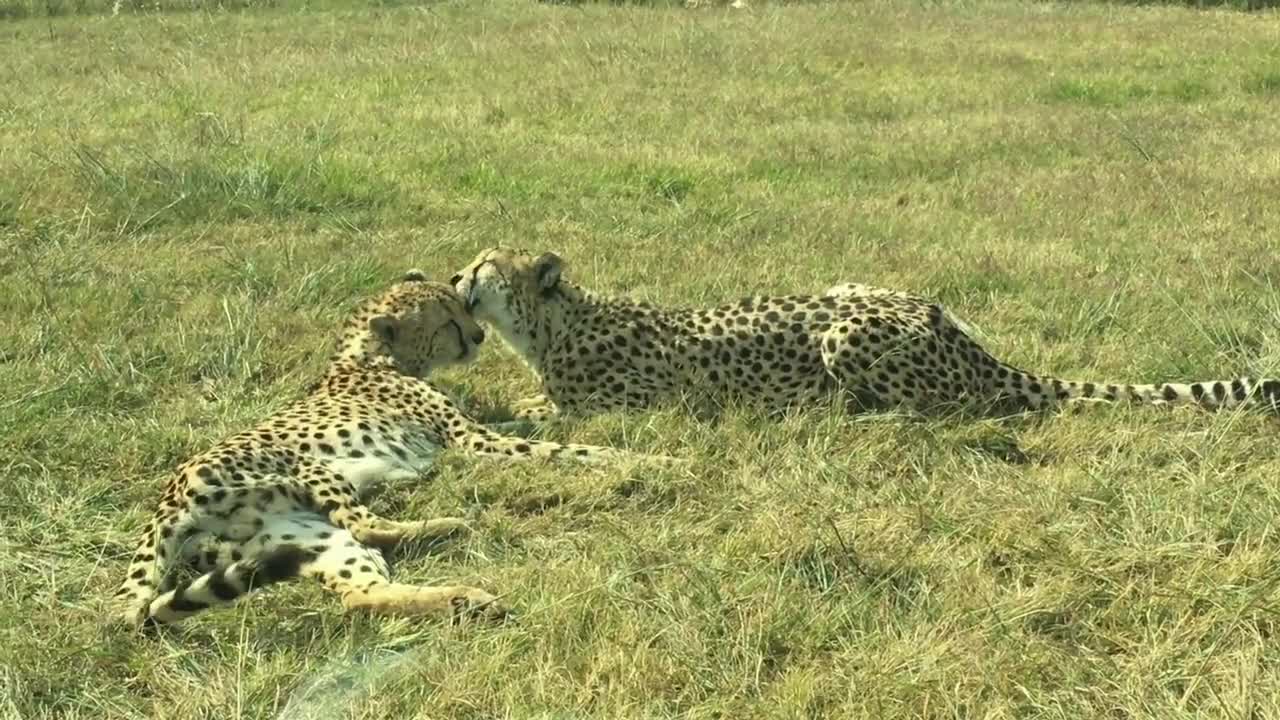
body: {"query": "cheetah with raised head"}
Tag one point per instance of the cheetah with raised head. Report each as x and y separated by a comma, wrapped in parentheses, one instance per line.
(883, 348)
(283, 500)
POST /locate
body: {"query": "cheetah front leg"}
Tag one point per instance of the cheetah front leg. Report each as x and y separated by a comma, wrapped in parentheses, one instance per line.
(378, 531)
(538, 408)
(372, 529)
(320, 488)
(483, 442)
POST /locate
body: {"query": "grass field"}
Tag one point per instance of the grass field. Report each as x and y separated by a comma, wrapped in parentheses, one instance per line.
(191, 201)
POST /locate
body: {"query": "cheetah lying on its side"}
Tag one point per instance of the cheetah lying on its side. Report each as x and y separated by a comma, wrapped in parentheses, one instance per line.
(882, 347)
(283, 500)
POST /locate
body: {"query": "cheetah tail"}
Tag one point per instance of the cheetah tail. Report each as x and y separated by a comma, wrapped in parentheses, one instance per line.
(1214, 394)
(224, 585)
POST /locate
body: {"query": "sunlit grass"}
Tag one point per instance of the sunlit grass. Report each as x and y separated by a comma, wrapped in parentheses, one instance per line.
(191, 201)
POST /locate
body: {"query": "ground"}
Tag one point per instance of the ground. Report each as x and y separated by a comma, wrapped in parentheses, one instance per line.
(190, 201)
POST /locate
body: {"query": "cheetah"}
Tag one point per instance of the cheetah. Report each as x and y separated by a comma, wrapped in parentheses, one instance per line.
(882, 348)
(284, 500)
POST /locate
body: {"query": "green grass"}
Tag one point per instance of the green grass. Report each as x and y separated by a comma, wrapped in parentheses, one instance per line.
(58, 8)
(191, 202)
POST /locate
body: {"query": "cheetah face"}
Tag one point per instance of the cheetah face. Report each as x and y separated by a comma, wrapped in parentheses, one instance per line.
(508, 288)
(425, 326)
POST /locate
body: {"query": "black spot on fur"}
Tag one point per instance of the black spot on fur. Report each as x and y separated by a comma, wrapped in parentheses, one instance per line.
(1270, 390)
(222, 588)
(285, 561)
(180, 602)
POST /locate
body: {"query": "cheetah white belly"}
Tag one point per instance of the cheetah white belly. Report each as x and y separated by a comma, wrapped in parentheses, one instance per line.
(368, 471)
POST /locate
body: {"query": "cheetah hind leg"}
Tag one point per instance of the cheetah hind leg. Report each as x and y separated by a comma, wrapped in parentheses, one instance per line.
(877, 370)
(456, 603)
(305, 545)
(359, 575)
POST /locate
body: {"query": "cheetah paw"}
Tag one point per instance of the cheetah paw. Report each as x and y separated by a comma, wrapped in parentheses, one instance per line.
(473, 604)
(534, 409)
(440, 529)
(387, 532)
(132, 615)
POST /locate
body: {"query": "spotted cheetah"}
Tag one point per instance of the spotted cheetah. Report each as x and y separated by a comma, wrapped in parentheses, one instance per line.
(283, 500)
(882, 347)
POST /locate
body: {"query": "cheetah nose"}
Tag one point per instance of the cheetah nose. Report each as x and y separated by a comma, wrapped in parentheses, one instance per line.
(477, 337)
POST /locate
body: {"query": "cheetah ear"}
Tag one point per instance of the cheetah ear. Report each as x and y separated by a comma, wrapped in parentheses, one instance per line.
(547, 268)
(384, 327)
(415, 275)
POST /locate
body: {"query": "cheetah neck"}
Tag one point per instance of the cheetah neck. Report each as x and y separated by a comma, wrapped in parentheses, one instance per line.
(552, 325)
(359, 348)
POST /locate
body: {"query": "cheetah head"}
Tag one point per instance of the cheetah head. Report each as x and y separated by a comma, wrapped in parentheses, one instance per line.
(422, 326)
(512, 290)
